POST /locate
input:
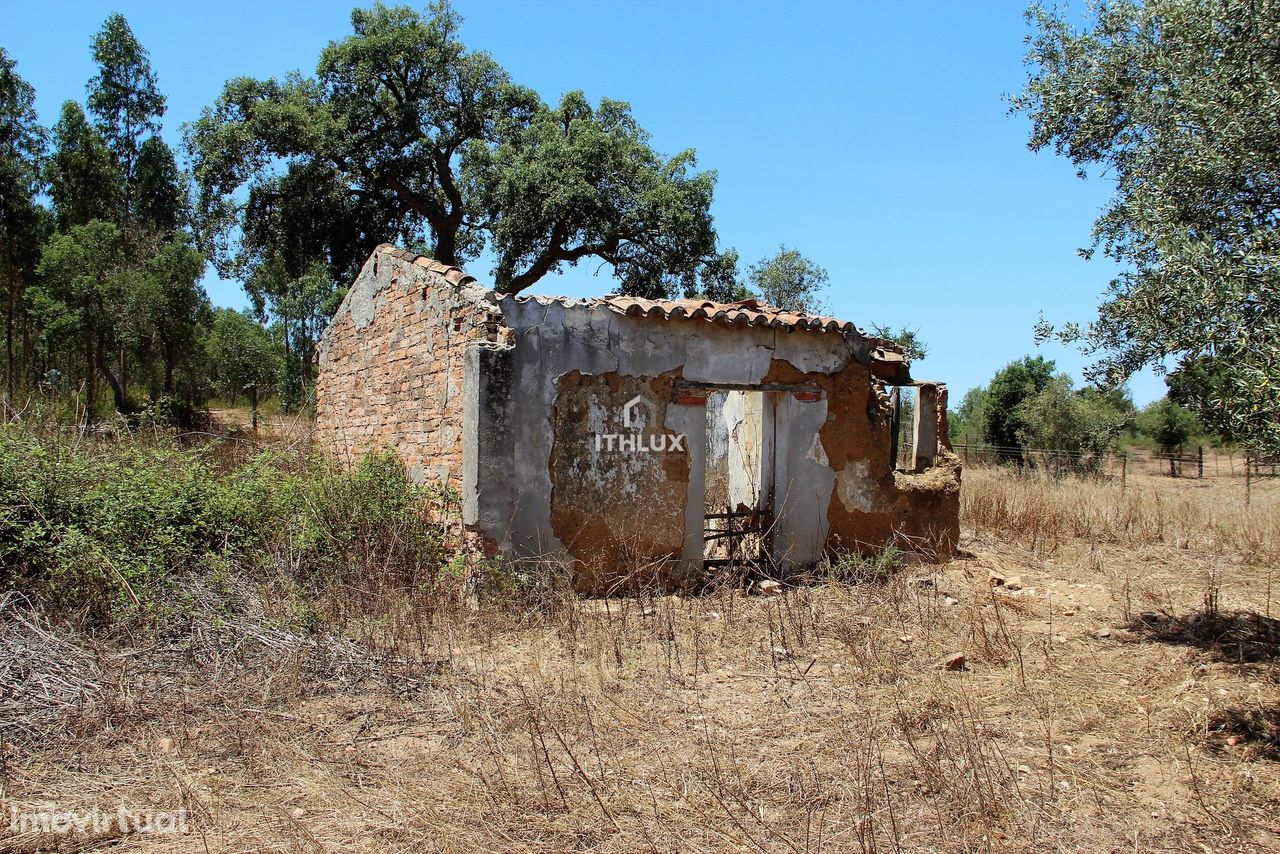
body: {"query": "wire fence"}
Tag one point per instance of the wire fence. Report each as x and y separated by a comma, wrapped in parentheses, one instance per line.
(1194, 462)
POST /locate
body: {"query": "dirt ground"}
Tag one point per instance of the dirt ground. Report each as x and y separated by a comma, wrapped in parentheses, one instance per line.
(1098, 671)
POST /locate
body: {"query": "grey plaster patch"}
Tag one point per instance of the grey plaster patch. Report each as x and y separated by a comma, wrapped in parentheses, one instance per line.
(855, 487)
(816, 453)
(366, 294)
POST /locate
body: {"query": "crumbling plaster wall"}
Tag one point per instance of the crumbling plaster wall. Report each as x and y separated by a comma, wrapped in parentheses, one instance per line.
(391, 370)
(748, 420)
(835, 483)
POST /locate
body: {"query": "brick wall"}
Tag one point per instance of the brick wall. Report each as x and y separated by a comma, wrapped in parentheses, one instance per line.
(391, 363)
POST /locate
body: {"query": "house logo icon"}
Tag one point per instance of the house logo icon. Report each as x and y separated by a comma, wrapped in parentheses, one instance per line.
(632, 412)
(638, 412)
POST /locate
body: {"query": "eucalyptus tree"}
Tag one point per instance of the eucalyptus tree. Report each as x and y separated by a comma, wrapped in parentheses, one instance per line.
(125, 100)
(82, 299)
(81, 173)
(22, 219)
(121, 207)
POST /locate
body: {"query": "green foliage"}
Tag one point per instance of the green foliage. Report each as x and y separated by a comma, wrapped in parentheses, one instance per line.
(23, 222)
(115, 295)
(82, 174)
(1167, 423)
(718, 280)
(970, 421)
(84, 529)
(403, 132)
(172, 310)
(906, 338)
(1012, 384)
(1078, 428)
(22, 146)
(576, 182)
(1199, 379)
(790, 281)
(849, 567)
(162, 201)
(83, 277)
(242, 358)
(371, 519)
(21, 137)
(1175, 101)
(113, 531)
(1026, 406)
(300, 307)
(93, 304)
(126, 102)
(123, 95)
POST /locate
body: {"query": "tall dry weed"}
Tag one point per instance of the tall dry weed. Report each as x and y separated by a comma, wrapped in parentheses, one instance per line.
(1042, 512)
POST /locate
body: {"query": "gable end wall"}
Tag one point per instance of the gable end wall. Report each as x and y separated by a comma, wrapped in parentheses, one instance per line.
(391, 366)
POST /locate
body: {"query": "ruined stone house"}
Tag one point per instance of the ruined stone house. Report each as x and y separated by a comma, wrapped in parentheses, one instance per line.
(638, 440)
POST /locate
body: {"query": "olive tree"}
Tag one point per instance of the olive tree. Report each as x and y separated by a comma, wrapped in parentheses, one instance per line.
(1175, 101)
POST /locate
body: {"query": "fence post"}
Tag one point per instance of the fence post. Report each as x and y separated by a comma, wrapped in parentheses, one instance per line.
(1200, 461)
(1248, 478)
(1124, 469)
(966, 449)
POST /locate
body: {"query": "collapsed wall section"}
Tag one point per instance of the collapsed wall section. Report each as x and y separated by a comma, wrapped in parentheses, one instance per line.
(392, 363)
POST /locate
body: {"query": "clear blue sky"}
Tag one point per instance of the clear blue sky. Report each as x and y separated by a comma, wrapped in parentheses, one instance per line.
(871, 136)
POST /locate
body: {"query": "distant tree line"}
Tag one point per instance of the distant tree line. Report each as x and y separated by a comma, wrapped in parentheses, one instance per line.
(1029, 407)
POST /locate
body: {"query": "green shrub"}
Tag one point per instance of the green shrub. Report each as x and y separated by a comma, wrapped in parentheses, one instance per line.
(110, 529)
(94, 529)
(851, 567)
(371, 521)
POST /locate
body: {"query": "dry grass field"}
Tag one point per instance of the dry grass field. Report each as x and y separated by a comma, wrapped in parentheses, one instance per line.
(1118, 691)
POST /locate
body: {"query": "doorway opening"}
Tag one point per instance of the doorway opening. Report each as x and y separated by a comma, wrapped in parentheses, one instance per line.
(739, 498)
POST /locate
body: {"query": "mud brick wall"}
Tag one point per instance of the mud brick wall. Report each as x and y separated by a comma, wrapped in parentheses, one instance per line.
(391, 364)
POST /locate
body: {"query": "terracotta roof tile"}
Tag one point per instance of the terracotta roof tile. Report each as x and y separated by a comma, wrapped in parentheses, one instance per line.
(748, 313)
(454, 275)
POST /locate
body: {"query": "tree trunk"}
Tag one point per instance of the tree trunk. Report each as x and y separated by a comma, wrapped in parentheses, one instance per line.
(305, 355)
(28, 350)
(168, 367)
(446, 248)
(253, 409)
(117, 390)
(90, 372)
(122, 371)
(286, 393)
(8, 340)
